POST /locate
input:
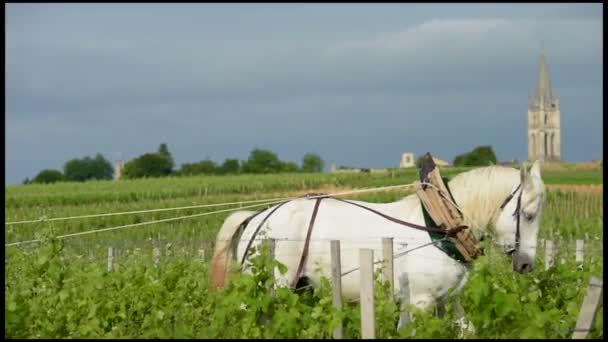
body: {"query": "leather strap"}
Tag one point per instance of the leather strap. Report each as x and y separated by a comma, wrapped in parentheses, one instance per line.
(258, 229)
(504, 203)
(450, 231)
(307, 242)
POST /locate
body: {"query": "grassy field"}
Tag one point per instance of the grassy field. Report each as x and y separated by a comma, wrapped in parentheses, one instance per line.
(569, 215)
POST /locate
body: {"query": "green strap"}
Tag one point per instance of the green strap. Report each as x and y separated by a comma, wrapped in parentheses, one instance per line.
(447, 246)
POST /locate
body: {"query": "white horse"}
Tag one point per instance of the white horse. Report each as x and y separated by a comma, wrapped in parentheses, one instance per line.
(496, 203)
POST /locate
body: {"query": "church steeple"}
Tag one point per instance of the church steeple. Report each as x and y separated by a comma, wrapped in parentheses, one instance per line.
(544, 119)
(544, 86)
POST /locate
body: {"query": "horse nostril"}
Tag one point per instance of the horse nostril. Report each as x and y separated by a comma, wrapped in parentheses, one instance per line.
(525, 268)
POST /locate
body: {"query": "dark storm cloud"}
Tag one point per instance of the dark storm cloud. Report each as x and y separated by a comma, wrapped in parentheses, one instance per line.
(356, 83)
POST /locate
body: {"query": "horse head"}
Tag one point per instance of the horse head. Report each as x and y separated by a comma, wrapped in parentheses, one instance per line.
(518, 223)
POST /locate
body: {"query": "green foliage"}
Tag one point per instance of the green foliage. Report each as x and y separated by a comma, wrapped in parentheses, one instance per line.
(419, 161)
(312, 162)
(88, 168)
(262, 161)
(46, 176)
(62, 290)
(147, 165)
(163, 150)
(204, 167)
(229, 166)
(289, 167)
(480, 156)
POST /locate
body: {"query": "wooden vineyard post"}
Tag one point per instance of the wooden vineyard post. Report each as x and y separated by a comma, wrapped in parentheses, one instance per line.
(549, 254)
(387, 254)
(368, 319)
(156, 256)
(110, 258)
(580, 252)
(589, 308)
(336, 282)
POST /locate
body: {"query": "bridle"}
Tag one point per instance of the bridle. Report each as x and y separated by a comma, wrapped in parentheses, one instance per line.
(517, 217)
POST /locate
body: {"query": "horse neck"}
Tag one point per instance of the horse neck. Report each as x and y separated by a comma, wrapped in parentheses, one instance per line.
(479, 194)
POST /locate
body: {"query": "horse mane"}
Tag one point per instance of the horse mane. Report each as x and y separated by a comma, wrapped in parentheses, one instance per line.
(480, 192)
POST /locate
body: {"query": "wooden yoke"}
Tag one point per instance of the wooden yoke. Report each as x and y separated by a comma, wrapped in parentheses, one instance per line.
(437, 201)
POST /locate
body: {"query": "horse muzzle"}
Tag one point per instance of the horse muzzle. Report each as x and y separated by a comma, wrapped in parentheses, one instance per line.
(522, 262)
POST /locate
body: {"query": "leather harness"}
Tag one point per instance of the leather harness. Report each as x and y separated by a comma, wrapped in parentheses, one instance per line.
(515, 213)
(449, 231)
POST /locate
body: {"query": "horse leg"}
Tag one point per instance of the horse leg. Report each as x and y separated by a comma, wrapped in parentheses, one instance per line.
(460, 320)
(407, 297)
(404, 296)
(459, 317)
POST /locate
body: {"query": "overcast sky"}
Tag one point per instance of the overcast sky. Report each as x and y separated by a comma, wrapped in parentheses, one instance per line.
(357, 83)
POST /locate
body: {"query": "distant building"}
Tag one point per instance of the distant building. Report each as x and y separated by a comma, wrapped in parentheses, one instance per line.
(118, 169)
(407, 160)
(544, 120)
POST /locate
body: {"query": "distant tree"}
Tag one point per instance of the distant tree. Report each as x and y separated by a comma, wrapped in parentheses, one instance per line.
(480, 156)
(147, 165)
(26, 181)
(419, 161)
(289, 167)
(132, 170)
(312, 162)
(48, 176)
(88, 168)
(229, 166)
(164, 151)
(207, 167)
(262, 161)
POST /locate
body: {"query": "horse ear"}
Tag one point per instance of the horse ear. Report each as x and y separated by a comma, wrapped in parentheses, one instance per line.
(535, 169)
(523, 174)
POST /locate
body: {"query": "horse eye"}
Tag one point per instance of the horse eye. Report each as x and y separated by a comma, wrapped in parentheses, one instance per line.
(528, 217)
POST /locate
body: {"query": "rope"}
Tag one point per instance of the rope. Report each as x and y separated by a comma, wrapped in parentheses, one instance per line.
(43, 219)
(135, 225)
(208, 213)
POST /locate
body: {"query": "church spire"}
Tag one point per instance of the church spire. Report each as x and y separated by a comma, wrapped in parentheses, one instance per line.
(544, 86)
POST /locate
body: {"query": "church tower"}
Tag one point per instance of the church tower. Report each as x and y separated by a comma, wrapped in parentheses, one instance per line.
(544, 119)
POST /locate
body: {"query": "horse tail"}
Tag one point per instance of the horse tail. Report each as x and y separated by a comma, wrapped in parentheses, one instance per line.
(223, 253)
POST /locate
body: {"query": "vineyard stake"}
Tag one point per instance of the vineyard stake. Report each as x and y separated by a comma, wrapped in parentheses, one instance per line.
(387, 251)
(368, 319)
(110, 258)
(580, 251)
(549, 254)
(336, 282)
(589, 308)
(156, 256)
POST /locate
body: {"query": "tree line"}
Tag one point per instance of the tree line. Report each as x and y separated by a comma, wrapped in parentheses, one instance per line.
(260, 161)
(161, 164)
